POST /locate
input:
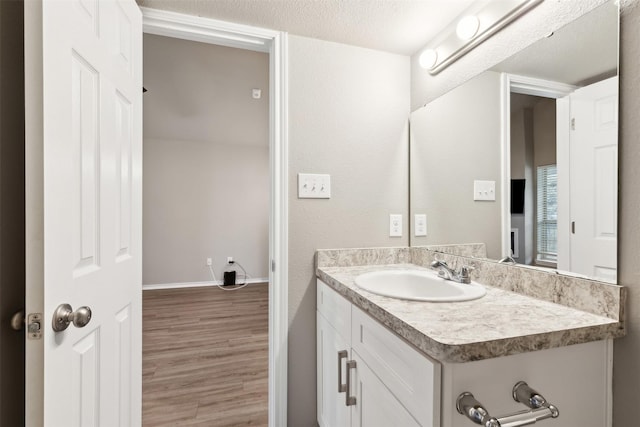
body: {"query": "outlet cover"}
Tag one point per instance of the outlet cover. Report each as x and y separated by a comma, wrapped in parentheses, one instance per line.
(395, 225)
(314, 186)
(420, 223)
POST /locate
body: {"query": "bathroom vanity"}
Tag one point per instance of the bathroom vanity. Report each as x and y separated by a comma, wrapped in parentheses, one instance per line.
(384, 361)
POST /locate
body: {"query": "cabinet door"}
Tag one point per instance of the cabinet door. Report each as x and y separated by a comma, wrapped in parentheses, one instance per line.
(332, 408)
(375, 405)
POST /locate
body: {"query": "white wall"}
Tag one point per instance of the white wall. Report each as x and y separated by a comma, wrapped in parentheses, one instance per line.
(204, 200)
(348, 112)
(453, 143)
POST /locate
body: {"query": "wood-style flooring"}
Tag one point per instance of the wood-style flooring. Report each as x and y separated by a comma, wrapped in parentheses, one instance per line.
(205, 357)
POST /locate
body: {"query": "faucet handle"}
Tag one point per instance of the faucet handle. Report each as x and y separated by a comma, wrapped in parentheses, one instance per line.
(465, 271)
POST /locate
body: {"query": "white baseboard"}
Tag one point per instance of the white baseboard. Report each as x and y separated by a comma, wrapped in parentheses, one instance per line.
(210, 283)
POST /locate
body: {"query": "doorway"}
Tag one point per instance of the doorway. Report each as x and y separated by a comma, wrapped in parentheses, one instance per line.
(275, 43)
(205, 233)
(533, 180)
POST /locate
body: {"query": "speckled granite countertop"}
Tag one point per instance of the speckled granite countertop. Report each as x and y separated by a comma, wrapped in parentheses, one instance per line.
(499, 324)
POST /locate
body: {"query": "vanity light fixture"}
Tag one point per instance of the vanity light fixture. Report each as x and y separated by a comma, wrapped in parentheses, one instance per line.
(478, 23)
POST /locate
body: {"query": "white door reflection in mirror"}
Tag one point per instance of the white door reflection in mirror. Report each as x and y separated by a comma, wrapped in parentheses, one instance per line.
(593, 166)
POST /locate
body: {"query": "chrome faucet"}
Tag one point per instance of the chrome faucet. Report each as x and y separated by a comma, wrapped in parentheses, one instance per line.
(449, 273)
(507, 260)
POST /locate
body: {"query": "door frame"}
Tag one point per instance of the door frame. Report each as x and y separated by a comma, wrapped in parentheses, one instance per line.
(195, 28)
(513, 83)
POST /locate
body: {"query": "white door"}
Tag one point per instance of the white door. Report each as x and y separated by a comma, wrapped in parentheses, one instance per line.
(594, 179)
(90, 145)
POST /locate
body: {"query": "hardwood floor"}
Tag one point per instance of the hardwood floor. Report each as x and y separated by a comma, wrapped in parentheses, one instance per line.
(205, 357)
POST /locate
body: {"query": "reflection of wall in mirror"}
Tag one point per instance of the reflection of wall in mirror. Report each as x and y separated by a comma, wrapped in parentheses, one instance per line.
(453, 143)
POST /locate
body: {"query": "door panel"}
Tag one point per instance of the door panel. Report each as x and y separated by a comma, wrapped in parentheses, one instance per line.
(85, 377)
(91, 146)
(594, 179)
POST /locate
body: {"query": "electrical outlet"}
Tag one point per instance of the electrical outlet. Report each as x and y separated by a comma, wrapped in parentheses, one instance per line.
(395, 225)
(420, 225)
(229, 259)
(209, 261)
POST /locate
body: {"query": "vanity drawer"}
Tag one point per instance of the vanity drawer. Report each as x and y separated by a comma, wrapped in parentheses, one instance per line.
(334, 307)
(413, 378)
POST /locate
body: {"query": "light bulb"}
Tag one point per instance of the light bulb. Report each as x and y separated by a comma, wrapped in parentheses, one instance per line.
(467, 27)
(428, 58)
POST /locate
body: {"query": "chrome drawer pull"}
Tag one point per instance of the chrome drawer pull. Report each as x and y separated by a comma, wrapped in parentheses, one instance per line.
(350, 400)
(341, 355)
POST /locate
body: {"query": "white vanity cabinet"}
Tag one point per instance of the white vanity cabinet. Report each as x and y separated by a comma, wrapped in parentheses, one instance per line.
(394, 384)
(390, 382)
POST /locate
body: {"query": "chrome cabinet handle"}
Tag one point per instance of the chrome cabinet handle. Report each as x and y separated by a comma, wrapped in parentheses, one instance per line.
(341, 355)
(64, 315)
(350, 400)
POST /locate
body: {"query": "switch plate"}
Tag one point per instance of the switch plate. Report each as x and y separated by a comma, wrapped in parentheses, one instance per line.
(484, 190)
(420, 221)
(314, 186)
(395, 225)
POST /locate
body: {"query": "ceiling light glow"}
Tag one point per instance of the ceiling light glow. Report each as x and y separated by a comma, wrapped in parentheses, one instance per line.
(428, 58)
(468, 27)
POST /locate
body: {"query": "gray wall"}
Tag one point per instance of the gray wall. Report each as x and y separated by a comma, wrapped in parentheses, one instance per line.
(206, 160)
(544, 132)
(348, 110)
(12, 259)
(201, 200)
(626, 367)
(453, 143)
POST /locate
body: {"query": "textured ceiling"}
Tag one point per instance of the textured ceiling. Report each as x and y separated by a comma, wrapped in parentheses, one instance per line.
(398, 26)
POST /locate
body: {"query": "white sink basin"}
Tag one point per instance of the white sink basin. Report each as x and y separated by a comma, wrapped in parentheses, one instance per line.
(418, 285)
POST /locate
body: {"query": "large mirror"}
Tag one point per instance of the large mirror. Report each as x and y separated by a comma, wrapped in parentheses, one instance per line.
(523, 158)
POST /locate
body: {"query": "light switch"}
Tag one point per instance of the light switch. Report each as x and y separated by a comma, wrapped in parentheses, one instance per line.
(395, 225)
(484, 190)
(420, 225)
(314, 186)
